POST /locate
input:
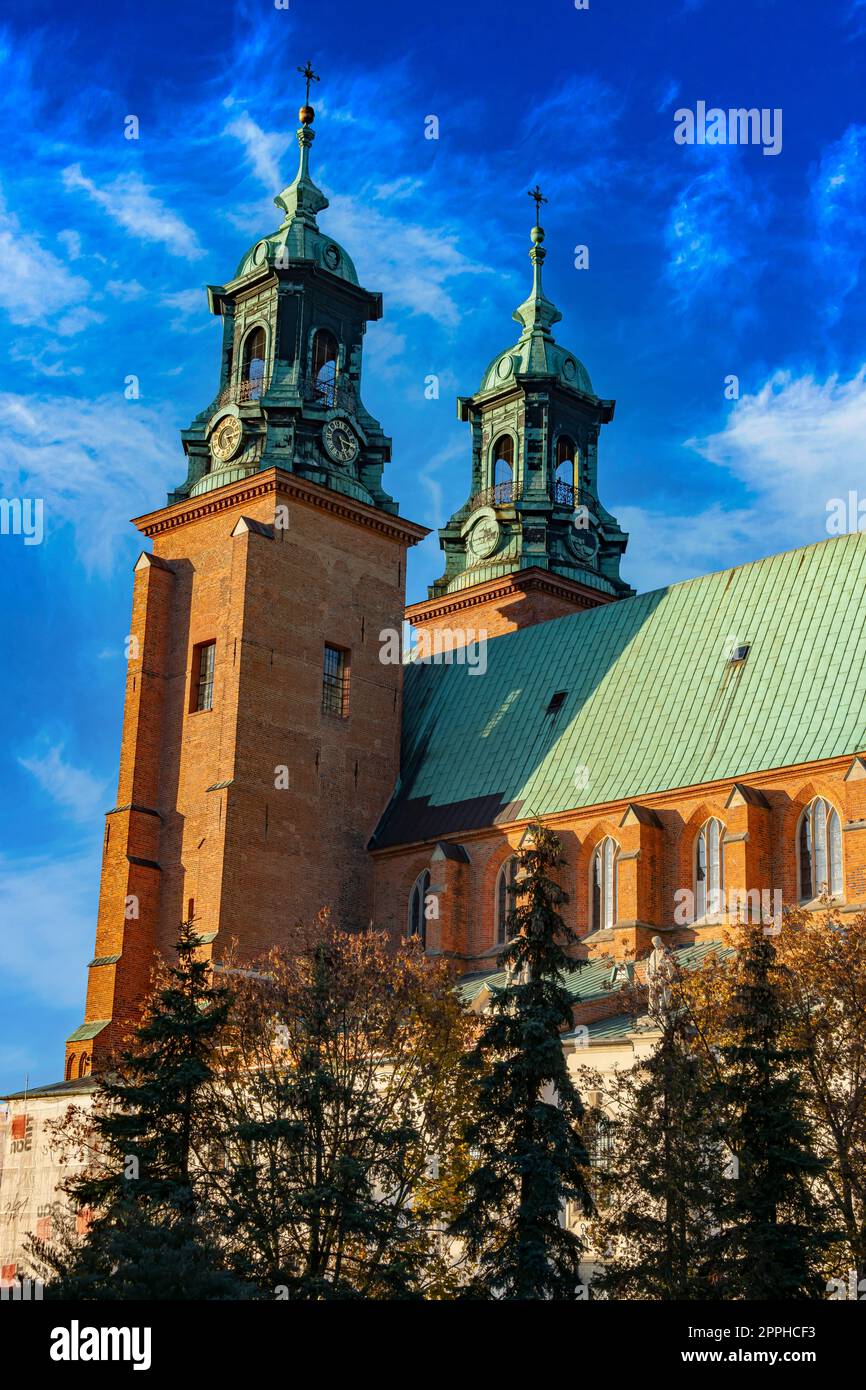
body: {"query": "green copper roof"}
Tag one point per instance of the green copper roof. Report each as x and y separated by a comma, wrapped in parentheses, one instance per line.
(86, 1031)
(591, 980)
(298, 238)
(536, 353)
(653, 700)
(606, 1030)
(79, 1086)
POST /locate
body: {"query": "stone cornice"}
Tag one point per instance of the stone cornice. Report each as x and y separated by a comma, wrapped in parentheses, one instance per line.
(533, 580)
(609, 810)
(277, 483)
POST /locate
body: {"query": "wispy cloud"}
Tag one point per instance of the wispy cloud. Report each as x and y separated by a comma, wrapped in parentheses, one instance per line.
(582, 105)
(74, 789)
(420, 267)
(791, 446)
(94, 462)
(72, 243)
(189, 308)
(856, 17)
(125, 290)
(707, 230)
(430, 477)
(794, 441)
(47, 915)
(666, 94)
(839, 203)
(264, 150)
(35, 284)
(133, 205)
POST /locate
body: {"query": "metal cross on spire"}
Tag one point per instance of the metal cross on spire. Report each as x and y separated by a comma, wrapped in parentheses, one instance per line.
(539, 197)
(307, 72)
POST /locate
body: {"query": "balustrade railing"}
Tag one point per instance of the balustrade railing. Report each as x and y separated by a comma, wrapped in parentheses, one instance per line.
(333, 394)
(250, 388)
(499, 495)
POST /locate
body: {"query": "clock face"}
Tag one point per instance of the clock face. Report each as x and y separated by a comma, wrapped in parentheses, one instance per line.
(226, 438)
(483, 537)
(340, 441)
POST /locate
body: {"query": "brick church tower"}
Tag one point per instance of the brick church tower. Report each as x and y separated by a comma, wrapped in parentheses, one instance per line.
(533, 541)
(261, 730)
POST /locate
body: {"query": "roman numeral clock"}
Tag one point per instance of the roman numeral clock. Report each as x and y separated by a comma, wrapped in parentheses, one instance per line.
(340, 441)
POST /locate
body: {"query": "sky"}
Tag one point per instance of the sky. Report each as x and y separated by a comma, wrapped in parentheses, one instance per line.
(723, 308)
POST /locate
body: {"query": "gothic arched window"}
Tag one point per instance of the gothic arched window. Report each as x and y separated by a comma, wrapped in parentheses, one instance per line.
(253, 364)
(325, 349)
(709, 869)
(503, 468)
(603, 885)
(565, 455)
(70, 1067)
(505, 898)
(84, 1065)
(819, 850)
(417, 925)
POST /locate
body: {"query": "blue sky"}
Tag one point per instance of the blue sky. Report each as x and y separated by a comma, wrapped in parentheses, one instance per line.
(705, 262)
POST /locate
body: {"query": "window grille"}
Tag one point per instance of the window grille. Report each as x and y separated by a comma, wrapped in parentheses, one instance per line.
(204, 692)
(335, 682)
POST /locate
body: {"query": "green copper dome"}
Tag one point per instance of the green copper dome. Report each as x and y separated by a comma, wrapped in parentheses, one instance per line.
(298, 237)
(294, 241)
(536, 353)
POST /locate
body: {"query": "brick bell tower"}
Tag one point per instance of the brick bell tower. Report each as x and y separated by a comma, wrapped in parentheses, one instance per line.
(534, 540)
(261, 730)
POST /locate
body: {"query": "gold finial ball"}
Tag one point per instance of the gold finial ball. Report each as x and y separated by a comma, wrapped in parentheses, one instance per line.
(306, 115)
(537, 234)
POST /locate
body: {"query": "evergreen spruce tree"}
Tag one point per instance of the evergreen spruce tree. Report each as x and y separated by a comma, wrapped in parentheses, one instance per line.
(659, 1193)
(530, 1158)
(770, 1227)
(148, 1237)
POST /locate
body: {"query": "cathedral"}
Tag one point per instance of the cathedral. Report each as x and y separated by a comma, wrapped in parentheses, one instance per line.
(700, 750)
(697, 748)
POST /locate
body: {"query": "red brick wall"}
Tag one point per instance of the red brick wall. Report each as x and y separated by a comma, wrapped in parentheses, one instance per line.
(765, 859)
(490, 609)
(494, 618)
(255, 858)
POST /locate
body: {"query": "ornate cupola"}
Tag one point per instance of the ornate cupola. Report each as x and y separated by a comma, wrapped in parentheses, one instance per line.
(289, 396)
(533, 520)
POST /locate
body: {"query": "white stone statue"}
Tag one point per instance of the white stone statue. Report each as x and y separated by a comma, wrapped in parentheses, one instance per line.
(660, 971)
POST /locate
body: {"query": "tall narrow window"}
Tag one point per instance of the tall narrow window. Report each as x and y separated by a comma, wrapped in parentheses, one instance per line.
(335, 682)
(253, 368)
(503, 469)
(203, 672)
(325, 367)
(603, 884)
(505, 898)
(599, 1136)
(709, 870)
(819, 847)
(564, 491)
(417, 903)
